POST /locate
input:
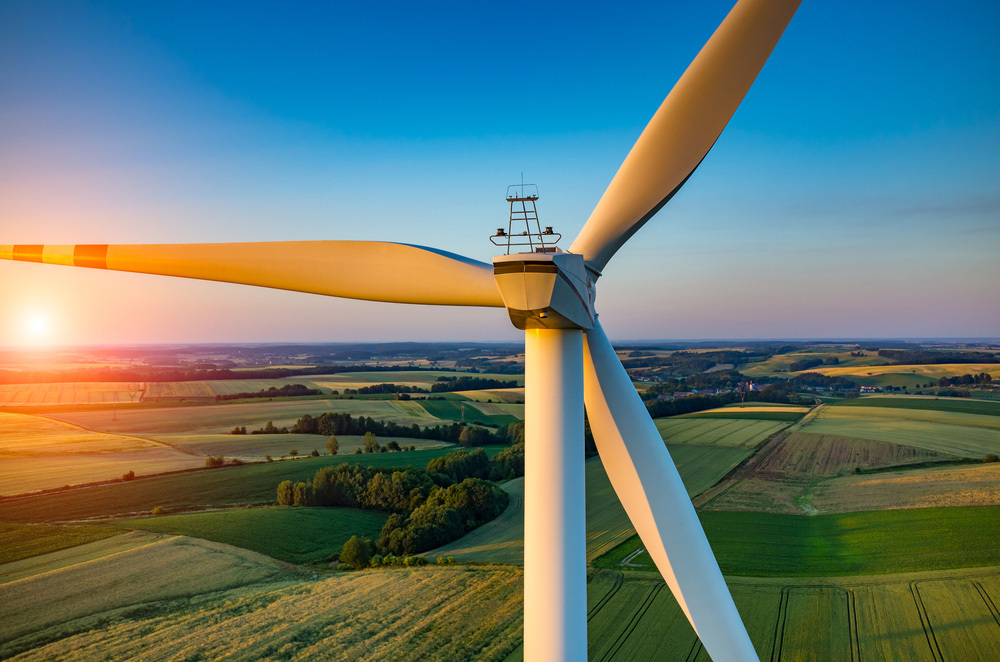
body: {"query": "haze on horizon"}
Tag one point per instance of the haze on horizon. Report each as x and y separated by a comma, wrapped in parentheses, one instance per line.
(855, 193)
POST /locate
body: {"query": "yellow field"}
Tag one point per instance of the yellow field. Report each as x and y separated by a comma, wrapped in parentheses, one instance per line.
(495, 409)
(177, 390)
(436, 613)
(977, 485)
(758, 407)
(929, 371)
(71, 393)
(38, 453)
(118, 572)
(22, 435)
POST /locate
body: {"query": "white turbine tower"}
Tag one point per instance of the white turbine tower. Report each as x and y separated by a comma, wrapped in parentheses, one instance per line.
(568, 358)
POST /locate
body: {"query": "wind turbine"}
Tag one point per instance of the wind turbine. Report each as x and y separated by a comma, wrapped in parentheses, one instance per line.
(568, 359)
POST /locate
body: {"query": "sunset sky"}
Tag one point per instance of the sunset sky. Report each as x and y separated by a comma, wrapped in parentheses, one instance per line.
(855, 193)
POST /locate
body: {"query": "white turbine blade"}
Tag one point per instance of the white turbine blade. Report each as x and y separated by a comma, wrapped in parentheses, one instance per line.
(370, 270)
(685, 127)
(650, 489)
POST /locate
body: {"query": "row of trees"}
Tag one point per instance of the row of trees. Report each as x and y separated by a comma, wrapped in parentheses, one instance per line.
(932, 356)
(448, 384)
(286, 391)
(981, 378)
(337, 423)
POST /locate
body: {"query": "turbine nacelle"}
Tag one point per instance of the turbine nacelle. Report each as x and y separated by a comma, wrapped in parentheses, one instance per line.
(546, 290)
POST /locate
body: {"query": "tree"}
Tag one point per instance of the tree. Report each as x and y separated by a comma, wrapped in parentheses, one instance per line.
(300, 494)
(370, 443)
(332, 445)
(293, 452)
(286, 496)
(315, 453)
(357, 552)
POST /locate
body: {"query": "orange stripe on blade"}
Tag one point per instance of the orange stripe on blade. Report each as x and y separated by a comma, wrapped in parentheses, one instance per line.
(27, 253)
(91, 255)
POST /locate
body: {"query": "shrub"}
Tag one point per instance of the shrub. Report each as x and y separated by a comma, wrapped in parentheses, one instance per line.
(991, 457)
(293, 452)
(357, 552)
(129, 476)
(158, 510)
(445, 560)
(315, 453)
(215, 461)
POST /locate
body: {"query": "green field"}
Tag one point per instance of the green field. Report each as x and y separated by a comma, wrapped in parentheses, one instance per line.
(21, 541)
(250, 483)
(964, 435)
(295, 535)
(957, 405)
(865, 543)
(731, 413)
(454, 410)
(716, 431)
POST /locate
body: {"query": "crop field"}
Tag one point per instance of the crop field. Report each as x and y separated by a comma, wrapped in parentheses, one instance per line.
(714, 431)
(155, 391)
(74, 393)
(975, 485)
(38, 454)
(631, 618)
(960, 434)
(250, 483)
(508, 395)
(785, 478)
(144, 573)
(958, 405)
(295, 535)
(924, 372)
(500, 409)
(436, 613)
(258, 446)
(21, 541)
(220, 419)
(843, 544)
(452, 410)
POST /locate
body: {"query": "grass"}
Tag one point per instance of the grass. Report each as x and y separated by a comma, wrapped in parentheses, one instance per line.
(145, 578)
(295, 535)
(957, 405)
(452, 410)
(389, 615)
(964, 435)
(863, 543)
(250, 483)
(716, 431)
(21, 541)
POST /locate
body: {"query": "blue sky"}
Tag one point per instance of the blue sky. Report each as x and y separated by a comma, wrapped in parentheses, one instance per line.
(855, 193)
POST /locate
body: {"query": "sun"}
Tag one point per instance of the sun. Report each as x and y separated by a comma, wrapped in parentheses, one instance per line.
(36, 328)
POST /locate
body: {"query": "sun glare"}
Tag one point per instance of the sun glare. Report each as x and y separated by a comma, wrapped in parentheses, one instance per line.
(36, 328)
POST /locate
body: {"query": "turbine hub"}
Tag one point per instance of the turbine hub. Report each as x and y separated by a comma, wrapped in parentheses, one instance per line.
(550, 290)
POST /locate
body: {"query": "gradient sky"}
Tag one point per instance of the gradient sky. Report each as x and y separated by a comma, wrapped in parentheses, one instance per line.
(855, 193)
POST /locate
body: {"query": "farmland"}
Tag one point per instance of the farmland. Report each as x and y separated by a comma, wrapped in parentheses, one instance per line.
(716, 431)
(295, 535)
(863, 543)
(78, 393)
(435, 613)
(964, 435)
(250, 483)
(38, 453)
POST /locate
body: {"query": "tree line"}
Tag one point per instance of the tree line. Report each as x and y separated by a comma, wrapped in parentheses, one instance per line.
(932, 356)
(337, 423)
(286, 391)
